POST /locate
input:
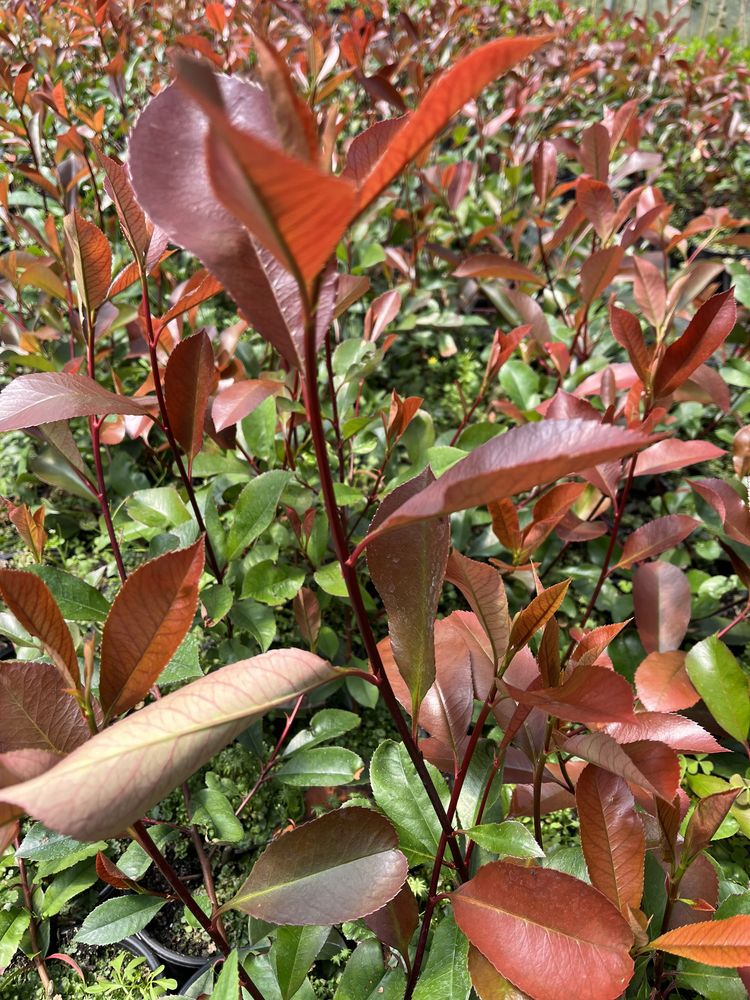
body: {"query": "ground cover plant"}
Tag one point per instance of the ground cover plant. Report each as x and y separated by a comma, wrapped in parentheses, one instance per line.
(376, 486)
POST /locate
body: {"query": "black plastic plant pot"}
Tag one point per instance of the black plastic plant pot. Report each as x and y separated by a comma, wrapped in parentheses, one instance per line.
(178, 965)
(201, 981)
(142, 950)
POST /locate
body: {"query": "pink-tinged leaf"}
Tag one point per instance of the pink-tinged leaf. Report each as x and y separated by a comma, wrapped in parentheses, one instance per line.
(307, 616)
(705, 333)
(661, 600)
(516, 461)
(445, 98)
(536, 615)
(188, 381)
(710, 812)
(200, 287)
(650, 291)
(366, 149)
(30, 601)
(407, 567)
(384, 309)
(490, 265)
(625, 378)
(240, 399)
(699, 894)
(483, 588)
(666, 456)
(339, 867)
(588, 649)
(37, 710)
(118, 775)
(579, 942)
(646, 763)
(612, 836)
(445, 711)
(395, 922)
(663, 684)
(480, 651)
(132, 220)
(553, 799)
(734, 515)
(170, 177)
(627, 332)
(544, 169)
(595, 150)
(595, 200)
(723, 943)
(598, 271)
(505, 523)
(92, 260)
(654, 538)
(148, 620)
(674, 731)
(295, 121)
(589, 694)
(46, 397)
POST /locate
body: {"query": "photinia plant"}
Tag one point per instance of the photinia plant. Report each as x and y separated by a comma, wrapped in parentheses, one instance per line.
(454, 577)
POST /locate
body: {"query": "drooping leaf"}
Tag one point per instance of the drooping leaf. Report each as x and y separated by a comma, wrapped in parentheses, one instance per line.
(661, 599)
(119, 774)
(515, 461)
(528, 622)
(612, 837)
(149, 619)
(490, 265)
(30, 601)
(445, 973)
(238, 400)
(647, 763)
(445, 98)
(407, 567)
(723, 943)
(663, 684)
(705, 333)
(188, 380)
(579, 942)
(335, 868)
(46, 397)
(483, 588)
(394, 923)
(655, 537)
(722, 684)
(92, 260)
(37, 710)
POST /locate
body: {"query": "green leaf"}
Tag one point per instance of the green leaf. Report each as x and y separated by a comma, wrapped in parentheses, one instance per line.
(346, 496)
(78, 601)
(259, 621)
(255, 510)
(67, 885)
(510, 839)
(210, 807)
(401, 796)
(259, 430)
(446, 974)
(328, 724)
(330, 579)
(118, 918)
(13, 925)
(52, 852)
(217, 600)
(185, 664)
(271, 584)
(721, 683)
(134, 862)
(709, 981)
(228, 983)
(161, 507)
(365, 977)
(320, 768)
(293, 953)
(521, 383)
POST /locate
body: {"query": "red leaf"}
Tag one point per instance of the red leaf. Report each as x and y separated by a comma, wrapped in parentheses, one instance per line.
(735, 517)
(483, 588)
(646, 763)
(132, 219)
(674, 731)
(109, 872)
(592, 645)
(528, 621)
(627, 332)
(710, 812)
(650, 291)
(579, 942)
(598, 271)
(37, 710)
(594, 151)
(515, 461)
(395, 923)
(597, 204)
(407, 567)
(589, 694)
(705, 333)
(661, 599)
(655, 537)
(490, 265)
(724, 943)
(666, 456)
(544, 169)
(612, 837)
(201, 287)
(148, 620)
(445, 97)
(31, 602)
(663, 684)
(92, 260)
(239, 400)
(188, 381)
(487, 982)
(45, 397)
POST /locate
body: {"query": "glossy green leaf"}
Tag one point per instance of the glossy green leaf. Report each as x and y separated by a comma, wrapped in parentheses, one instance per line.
(78, 601)
(258, 619)
(118, 918)
(320, 767)
(365, 977)
(13, 925)
(722, 684)
(212, 808)
(509, 839)
(330, 579)
(293, 952)
(445, 974)
(327, 724)
(227, 985)
(271, 584)
(54, 852)
(68, 884)
(255, 510)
